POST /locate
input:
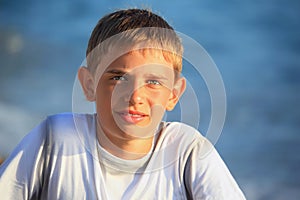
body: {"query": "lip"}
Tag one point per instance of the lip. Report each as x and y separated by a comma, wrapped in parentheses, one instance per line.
(132, 116)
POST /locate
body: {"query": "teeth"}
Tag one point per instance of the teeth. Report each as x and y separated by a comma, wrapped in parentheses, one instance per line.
(134, 115)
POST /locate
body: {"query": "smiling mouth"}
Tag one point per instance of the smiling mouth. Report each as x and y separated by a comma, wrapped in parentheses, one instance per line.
(132, 117)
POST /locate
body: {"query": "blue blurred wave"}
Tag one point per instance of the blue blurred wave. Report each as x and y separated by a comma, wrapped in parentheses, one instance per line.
(255, 44)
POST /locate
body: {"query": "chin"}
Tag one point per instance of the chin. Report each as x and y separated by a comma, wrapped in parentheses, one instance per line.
(138, 131)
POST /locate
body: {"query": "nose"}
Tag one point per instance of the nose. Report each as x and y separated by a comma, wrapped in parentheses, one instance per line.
(137, 96)
(131, 92)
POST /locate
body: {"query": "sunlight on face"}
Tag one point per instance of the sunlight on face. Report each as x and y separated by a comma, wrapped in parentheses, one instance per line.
(133, 93)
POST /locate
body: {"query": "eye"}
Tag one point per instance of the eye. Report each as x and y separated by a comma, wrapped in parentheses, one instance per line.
(118, 78)
(153, 82)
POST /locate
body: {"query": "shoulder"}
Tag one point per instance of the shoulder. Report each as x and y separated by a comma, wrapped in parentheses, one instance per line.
(67, 128)
(183, 133)
(186, 141)
(67, 122)
(67, 119)
(178, 140)
(174, 145)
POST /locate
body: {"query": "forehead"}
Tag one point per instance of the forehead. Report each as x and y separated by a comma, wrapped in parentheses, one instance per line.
(133, 59)
(137, 61)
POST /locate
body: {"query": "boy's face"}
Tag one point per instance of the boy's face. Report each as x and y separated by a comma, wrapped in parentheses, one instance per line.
(133, 93)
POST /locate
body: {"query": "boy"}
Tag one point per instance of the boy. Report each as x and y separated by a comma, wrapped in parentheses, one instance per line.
(125, 150)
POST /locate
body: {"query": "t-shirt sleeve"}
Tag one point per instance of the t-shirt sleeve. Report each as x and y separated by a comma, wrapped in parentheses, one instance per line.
(22, 172)
(207, 177)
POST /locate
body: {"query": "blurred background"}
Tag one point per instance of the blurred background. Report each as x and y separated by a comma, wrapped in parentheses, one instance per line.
(255, 44)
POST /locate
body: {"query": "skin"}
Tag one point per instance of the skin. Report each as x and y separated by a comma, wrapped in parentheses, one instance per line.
(131, 97)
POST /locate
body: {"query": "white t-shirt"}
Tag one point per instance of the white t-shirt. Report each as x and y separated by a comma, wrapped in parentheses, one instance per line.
(62, 159)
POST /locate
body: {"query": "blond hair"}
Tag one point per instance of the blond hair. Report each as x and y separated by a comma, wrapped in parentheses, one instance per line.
(129, 29)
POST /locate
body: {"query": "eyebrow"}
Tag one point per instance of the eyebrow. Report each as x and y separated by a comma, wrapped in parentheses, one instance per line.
(155, 76)
(147, 75)
(115, 71)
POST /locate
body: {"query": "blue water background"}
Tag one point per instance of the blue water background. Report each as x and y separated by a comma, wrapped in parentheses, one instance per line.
(255, 44)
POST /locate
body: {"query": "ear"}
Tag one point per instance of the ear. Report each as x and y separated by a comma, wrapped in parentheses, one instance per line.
(176, 93)
(87, 83)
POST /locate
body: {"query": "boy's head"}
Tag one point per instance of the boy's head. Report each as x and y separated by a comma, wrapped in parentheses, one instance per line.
(139, 57)
(133, 28)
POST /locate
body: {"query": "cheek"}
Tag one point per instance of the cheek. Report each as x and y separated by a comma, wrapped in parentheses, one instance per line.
(103, 97)
(160, 98)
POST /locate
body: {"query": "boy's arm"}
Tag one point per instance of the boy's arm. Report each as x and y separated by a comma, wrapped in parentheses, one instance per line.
(207, 177)
(21, 173)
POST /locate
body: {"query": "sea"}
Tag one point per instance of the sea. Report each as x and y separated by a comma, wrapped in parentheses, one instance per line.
(252, 45)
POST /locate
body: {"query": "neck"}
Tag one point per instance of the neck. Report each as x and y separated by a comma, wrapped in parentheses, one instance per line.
(128, 149)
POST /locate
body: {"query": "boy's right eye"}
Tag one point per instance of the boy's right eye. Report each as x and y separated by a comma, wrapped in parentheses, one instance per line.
(118, 78)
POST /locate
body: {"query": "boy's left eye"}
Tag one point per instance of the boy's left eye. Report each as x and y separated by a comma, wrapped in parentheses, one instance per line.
(153, 82)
